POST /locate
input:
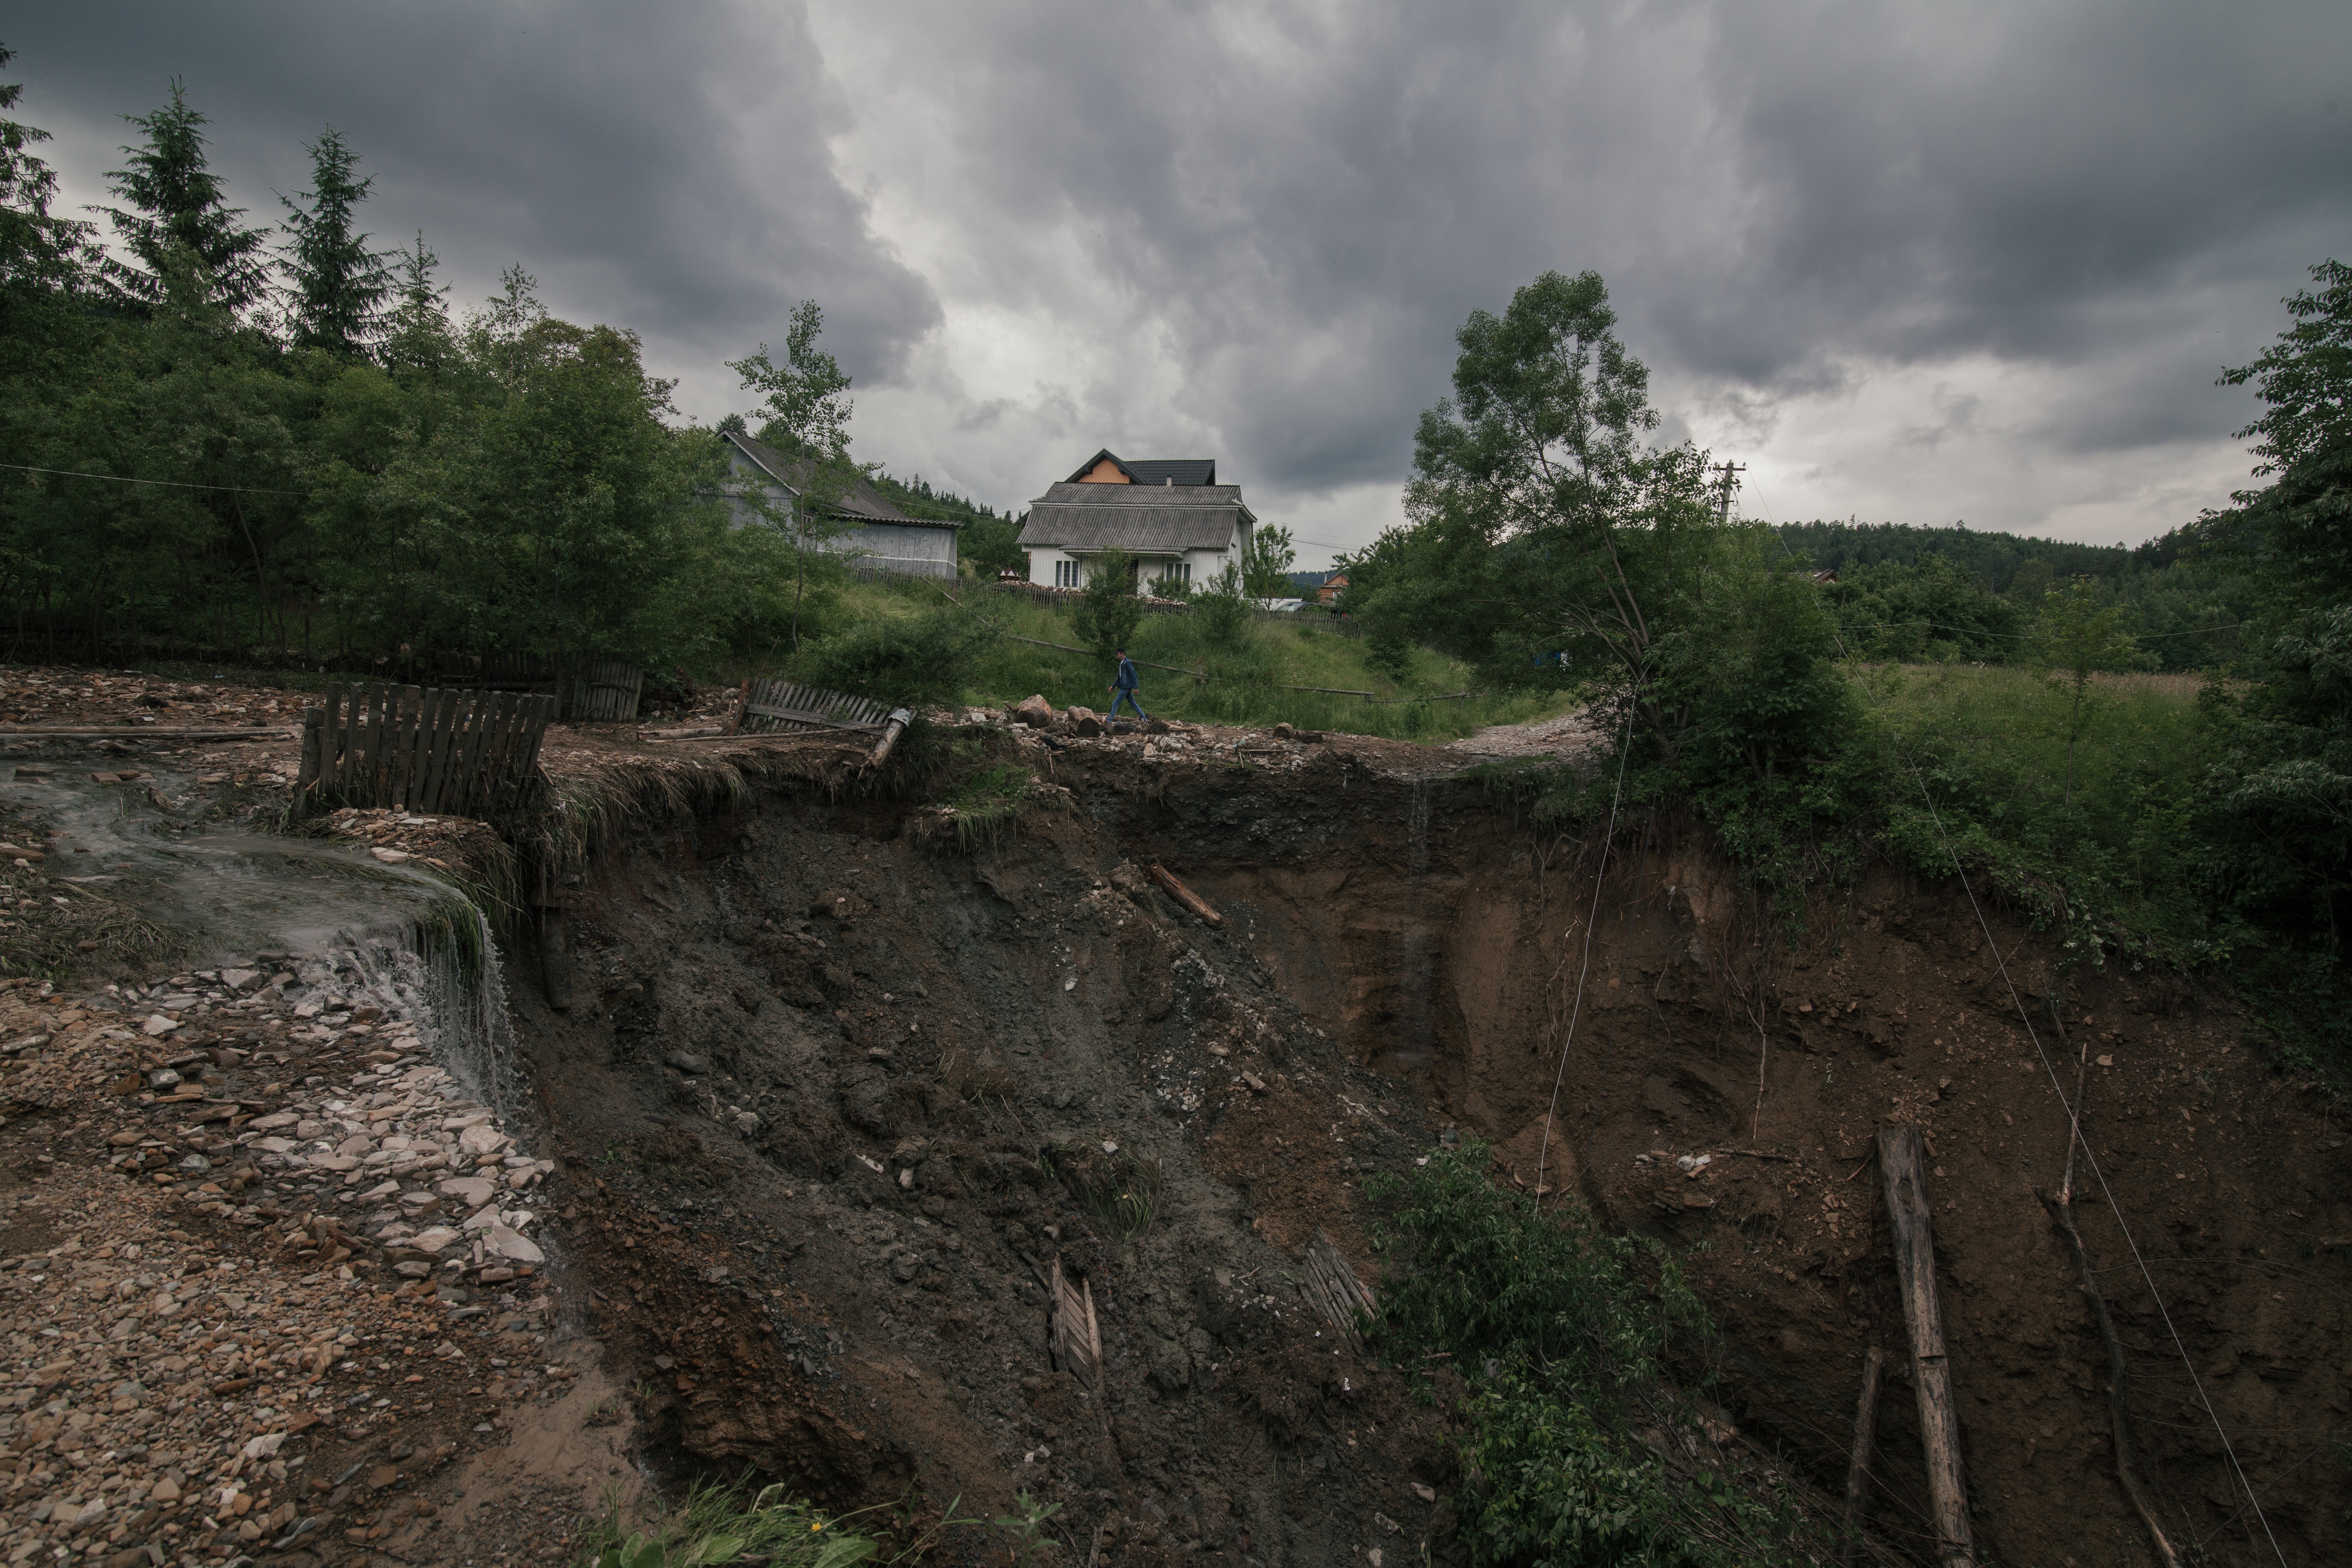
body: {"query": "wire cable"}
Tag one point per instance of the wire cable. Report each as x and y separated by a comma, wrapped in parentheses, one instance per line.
(169, 484)
(2074, 1122)
(1591, 920)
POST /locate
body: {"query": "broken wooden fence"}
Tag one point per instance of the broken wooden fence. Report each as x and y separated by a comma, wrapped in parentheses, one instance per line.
(445, 753)
(769, 705)
(604, 688)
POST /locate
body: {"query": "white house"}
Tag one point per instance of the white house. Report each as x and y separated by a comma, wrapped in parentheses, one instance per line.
(1169, 515)
(881, 536)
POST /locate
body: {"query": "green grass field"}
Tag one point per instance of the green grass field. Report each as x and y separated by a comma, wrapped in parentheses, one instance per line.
(1240, 682)
(2094, 833)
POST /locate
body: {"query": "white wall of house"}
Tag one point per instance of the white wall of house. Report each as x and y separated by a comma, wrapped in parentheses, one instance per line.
(1053, 568)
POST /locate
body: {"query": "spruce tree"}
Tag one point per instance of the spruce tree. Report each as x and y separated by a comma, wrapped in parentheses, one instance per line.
(179, 217)
(42, 257)
(336, 287)
(419, 336)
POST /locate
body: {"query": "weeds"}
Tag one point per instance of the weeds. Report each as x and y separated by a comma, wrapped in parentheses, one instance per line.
(719, 1523)
(1120, 1190)
(983, 804)
(1579, 1450)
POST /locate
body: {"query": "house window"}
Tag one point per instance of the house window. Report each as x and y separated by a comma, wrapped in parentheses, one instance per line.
(1065, 574)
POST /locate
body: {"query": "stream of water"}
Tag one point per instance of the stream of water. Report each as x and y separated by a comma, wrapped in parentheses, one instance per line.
(346, 923)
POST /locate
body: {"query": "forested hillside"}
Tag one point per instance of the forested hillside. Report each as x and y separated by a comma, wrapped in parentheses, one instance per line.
(278, 442)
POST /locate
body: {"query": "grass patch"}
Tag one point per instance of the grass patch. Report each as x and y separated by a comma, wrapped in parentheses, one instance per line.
(983, 804)
(1244, 673)
(1120, 1190)
(2081, 812)
(725, 1522)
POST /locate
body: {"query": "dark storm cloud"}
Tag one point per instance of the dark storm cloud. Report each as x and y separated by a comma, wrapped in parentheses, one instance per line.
(2021, 239)
(660, 168)
(1306, 201)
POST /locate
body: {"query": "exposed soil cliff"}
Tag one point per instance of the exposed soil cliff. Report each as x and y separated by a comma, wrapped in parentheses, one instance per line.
(816, 1056)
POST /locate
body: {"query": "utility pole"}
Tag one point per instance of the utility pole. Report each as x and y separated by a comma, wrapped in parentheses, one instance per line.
(1730, 472)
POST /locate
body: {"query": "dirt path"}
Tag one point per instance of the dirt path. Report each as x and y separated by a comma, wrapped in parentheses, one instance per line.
(1562, 735)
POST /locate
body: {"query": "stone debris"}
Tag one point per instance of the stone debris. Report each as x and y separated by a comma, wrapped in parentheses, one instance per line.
(269, 1232)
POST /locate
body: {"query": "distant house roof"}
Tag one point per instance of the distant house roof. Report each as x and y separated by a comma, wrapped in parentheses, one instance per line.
(1162, 471)
(862, 501)
(1139, 518)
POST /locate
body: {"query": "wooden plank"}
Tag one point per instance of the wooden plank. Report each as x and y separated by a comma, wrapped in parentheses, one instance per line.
(1909, 1218)
(347, 768)
(1857, 1469)
(464, 746)
(428, 750)
(372, 780)
(526, 770)
(406, 701)
(412, 745)
(305, 773)
(331, 742)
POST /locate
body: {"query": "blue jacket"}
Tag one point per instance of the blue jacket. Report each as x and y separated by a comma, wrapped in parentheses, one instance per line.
(1127, 681)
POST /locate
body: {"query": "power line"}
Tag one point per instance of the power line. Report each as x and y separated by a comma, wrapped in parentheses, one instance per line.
(172, 484)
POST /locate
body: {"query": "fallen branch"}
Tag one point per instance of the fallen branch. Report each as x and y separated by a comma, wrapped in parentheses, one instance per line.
(1066, 647)
(1184, 895)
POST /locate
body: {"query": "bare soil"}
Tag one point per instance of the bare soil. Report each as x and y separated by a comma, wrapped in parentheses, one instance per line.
(829, 1090)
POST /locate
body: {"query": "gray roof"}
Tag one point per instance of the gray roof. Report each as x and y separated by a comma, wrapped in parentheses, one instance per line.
(862, 501)
(1138, 519)
(1154, 470)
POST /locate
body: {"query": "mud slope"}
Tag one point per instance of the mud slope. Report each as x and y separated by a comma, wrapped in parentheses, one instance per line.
(831, 1087)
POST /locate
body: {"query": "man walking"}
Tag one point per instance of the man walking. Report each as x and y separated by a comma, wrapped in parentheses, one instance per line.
(1123, 688)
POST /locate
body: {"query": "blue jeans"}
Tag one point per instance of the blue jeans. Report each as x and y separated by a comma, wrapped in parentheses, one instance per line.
(1126, 694)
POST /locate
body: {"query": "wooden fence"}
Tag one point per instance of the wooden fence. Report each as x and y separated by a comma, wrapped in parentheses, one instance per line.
(770, 706)
(604, 688)
(449, 753)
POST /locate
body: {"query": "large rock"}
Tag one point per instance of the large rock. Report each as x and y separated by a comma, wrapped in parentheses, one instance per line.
(471, 1191)
(1033, 712)
(500, 1242)
(479, 1142)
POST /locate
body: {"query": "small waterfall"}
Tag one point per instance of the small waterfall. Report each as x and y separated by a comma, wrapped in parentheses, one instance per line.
(355, 925)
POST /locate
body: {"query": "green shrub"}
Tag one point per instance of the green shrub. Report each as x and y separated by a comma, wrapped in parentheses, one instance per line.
(1562, 1331)
(911, 659)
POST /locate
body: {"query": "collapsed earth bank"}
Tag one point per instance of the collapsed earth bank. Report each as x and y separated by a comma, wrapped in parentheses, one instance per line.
(837, 1094)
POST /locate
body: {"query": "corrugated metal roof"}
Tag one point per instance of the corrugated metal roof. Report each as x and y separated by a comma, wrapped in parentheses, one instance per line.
(863, 500)
(1152, 470)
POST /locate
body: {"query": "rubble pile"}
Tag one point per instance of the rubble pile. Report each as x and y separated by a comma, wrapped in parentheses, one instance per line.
(272, 1264)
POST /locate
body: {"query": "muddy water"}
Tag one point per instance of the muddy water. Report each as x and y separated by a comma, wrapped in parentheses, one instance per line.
(345, 921)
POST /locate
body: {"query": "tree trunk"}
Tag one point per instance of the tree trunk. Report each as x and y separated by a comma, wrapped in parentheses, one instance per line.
(1923, 1314)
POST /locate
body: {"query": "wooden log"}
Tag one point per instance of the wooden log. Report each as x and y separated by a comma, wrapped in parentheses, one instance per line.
(1909, 1218)
(1184, 895)
(899, 719)
(1865, 1434)
(742, 698)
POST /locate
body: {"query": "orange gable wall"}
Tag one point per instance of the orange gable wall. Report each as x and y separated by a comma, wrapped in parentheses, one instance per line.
(1105, 473)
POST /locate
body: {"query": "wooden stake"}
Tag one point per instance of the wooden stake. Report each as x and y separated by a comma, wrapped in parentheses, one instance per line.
(1184, 895)
(1865, 1434)
(1923, 1314)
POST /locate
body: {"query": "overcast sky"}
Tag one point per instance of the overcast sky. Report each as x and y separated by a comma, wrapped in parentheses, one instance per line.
(1916, 263)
